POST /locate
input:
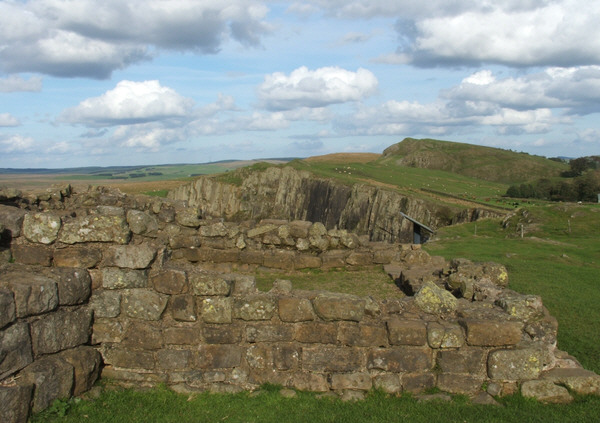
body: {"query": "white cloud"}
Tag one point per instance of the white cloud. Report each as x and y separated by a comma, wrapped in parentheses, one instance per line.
(16, 144)
(91, 39)
(15, 83)
(6, 119)
(318, 88)
(130, 103)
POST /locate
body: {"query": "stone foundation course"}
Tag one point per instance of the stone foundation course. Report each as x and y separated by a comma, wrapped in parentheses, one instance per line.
(145, 291)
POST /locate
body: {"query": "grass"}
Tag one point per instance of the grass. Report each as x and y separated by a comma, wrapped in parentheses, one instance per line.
(163, 406)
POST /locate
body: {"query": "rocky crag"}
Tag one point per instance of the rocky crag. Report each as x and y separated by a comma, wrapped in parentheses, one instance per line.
(285, 193)
(147, 291)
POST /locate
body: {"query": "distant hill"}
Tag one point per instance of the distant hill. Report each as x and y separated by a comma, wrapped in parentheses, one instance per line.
(488, 163)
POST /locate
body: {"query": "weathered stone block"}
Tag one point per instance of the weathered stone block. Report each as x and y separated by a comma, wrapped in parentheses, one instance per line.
(32, 254)
(217, 310)
(459, 384)
(523, 307)
(143, 304)
(132, 376)
(358, 335)
(15, 349)
(407, 332)
(259, 357)
(305, 261)
(316, 332)
(7, 307)
(219, 356)
(299, 228)
(143, 335)
(115, 278)
(308, 381)
(360, 258)
(53, 379)
(15, 402)
(401, 359)
(142, 223)
(215, 230)
(261, 230)
(61, 330)
(492, 333)
(230, 334)
(388, 383)
(86, 363)
(333, 359)
(252, 257)
(107, 331)
(584, 382)
(174, 359)
(384, 256)
(334, 259)
(517, 364)
(546, 391)
(465, 360)
(181, 336)
(255, 307)
(33, 294)
(128, 358)
(279, 259)
(286, 357)
(74, 285)
(183, 308)
(243, 284)
(169, 281)
(12, 219)
(417, 382)
(357, 381)
(95, 228)
(106, 303)
(206, 285)
(188, 216)
(293, 309)
(448, 335)
(269, 333)
(41, 228)
(82, 257)
(218, 256)
(435, 300)
(185, 240)
(333, 306)
(130, 256)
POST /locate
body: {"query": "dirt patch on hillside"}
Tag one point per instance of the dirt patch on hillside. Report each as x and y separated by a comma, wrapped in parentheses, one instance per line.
(343, 158)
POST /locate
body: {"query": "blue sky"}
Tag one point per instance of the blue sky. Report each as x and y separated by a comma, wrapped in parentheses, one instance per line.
(119, 82)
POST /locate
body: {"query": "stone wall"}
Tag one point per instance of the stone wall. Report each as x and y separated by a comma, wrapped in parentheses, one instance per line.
(159, 295)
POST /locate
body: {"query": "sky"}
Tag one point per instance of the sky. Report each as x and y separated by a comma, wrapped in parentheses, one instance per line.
(142, 82)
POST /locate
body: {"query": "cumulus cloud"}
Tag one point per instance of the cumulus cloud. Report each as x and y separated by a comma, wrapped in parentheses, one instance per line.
(130, 103)
(91, 39)
(16, 144)
(318, 88)
(6, 119)
(15, 83)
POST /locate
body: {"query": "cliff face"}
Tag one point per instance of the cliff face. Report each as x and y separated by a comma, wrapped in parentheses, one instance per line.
(286, 193)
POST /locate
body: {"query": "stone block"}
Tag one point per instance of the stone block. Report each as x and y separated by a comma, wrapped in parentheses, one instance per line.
(334, 259)
(355, 381)
(299, 228)
(86, 363)
(185, 240)
(133, 377)
(360, 258)
(316, 332)
(401, 359)
(384, 256)
(61, 330)
(293, 309)
(219, 356)
(115, 278)
(32, 254)
(182, 336)
(230, 334)
(183, 308)
(15, 349)
(417, 382)
(286, 356)
(492, 333)
(107, 331)
(74, 285)
(128, 358)
(269, 333)
(255, 307)
(279, 259)
(306, 261)
(388, 383)
(214, 230)
(459, 384)
(143, 304)
(308, 381)
(515, 365)
(242, 284)
(252, 257)
(261, 230)
(15, 402)
(259, 357)
(546, 391)
(334, 306)
(52, 378)
(7, 307)
(465, 360)
(83, 257)
(584, 382)
(359, 335)
(447, 335)
(174, 359)
(41, 228)
(130, 256)
(435, 300)
(95, 228)
(142, 223)
(12, 220)
(333, 359)
(207, 285)
(218, 256)
(106, 303)
(33, 294)
(143, 335)
(407, 332)
(523, 307)
(217, 310)
(188, 216)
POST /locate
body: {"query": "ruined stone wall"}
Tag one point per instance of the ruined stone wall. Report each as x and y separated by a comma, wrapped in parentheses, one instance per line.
(158, 295)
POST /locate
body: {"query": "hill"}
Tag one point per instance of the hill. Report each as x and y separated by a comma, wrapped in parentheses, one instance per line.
(487, 163)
